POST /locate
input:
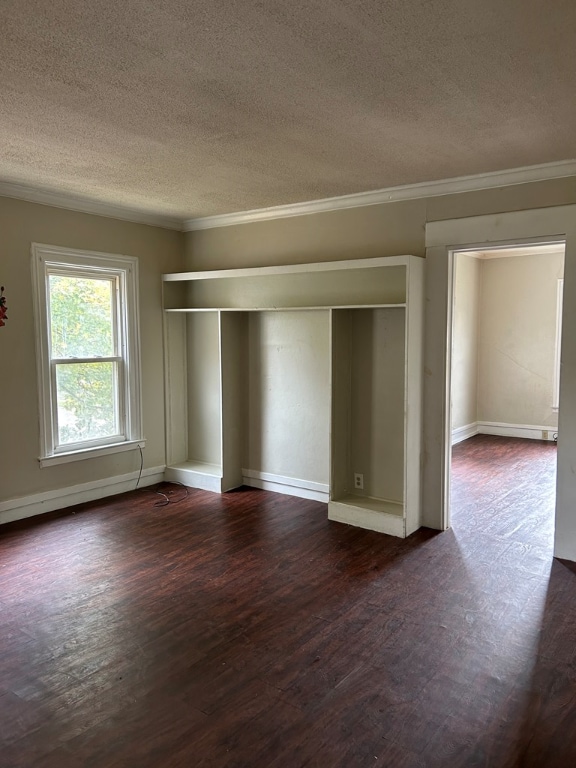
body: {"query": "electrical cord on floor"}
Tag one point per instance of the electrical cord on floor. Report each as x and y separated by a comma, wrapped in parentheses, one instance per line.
(165, 496)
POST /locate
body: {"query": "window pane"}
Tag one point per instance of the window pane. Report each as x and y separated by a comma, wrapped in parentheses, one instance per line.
(86, 401)
(81, 316)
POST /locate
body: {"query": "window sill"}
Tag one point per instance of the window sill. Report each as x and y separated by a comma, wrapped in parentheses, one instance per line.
(90, 453)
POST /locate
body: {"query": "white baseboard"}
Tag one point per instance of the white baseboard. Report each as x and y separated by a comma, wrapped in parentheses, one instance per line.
(463, 433)
(369, 519)
(529, 431)
(292, 486)
(195, 477)
(39, 503)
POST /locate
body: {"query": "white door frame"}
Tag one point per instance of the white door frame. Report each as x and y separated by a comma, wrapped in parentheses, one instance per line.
(443, 238)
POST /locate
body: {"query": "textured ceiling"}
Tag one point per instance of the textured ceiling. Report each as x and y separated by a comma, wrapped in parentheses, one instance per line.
(199, 107)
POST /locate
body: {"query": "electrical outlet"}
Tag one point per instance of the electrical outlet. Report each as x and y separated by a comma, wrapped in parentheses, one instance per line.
(358, 481)
(545, 434)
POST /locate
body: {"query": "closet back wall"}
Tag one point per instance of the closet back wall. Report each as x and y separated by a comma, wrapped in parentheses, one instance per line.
(204, 391)
(289, 394)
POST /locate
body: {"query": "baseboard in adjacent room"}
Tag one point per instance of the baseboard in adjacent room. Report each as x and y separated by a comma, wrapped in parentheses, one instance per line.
(463, 433)
(292, 486)
(49, 501)
(529, 431)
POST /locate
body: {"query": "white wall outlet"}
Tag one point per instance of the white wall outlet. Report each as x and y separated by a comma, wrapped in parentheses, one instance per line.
(545, 434)
(358, 481)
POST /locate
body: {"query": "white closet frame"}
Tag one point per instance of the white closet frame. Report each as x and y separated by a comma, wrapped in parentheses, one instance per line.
(384, 295)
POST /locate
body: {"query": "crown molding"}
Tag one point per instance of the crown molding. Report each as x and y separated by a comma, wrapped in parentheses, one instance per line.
(391, 195)
(85, 205)
(420, 190)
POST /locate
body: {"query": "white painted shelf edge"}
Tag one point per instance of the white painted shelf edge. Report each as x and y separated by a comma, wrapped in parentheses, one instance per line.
(317, 308)
(291, 269)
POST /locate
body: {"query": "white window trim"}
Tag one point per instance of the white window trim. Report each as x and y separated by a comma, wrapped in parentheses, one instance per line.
(47, 256)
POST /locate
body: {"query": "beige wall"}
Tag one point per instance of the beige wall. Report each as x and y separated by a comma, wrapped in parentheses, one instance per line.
(158, 251)
(465, 341)
(204, 388)
(376, 421)
(517, 339)
(289, 414)
(379, 230)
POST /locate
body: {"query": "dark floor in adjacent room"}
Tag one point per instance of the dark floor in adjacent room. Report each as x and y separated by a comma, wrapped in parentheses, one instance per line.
(247, 630)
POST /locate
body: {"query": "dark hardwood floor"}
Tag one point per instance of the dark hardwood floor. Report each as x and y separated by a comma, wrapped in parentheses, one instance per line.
(247, 630)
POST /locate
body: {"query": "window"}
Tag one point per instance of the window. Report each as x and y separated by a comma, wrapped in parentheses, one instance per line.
(86, 313)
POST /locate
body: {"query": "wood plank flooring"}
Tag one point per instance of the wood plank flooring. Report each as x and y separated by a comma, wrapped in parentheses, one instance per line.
(248, 630)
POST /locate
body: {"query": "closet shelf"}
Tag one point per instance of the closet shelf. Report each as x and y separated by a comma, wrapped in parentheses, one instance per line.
(400, 305)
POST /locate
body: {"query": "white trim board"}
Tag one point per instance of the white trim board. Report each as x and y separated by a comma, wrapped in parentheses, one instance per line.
(292, 269)
(371, 520)
(49, 501)
(291, 486)
(420, 190)
(538, 226)
(194, 475)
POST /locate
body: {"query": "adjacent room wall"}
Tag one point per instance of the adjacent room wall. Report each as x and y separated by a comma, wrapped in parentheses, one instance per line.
(465, 346)
(158, 251)
(503, 353)
(517, 339)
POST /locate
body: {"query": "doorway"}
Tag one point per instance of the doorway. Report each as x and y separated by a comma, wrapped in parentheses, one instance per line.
(505, 357)
(443, 238)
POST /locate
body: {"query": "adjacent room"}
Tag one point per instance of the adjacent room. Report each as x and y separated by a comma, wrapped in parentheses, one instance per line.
(505, 380)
